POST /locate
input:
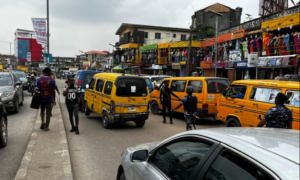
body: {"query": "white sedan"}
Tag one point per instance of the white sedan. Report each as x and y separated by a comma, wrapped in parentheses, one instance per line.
(216, 154)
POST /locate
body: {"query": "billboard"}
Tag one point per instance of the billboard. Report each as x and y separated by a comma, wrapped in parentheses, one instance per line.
(39, 26)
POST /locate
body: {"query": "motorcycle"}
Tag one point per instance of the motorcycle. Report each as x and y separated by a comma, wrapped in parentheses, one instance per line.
(32, 86)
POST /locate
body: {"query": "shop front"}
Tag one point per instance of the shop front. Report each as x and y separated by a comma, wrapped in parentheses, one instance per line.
(164, 53)
(179, 54)
(244, 71)
(149, 57)
(206, 67)
(129, 53)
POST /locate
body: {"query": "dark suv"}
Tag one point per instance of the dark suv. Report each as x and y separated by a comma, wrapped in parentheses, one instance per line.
(11, 91)
(3, 125)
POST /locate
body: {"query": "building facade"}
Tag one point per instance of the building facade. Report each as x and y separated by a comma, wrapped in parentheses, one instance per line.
(231, 17)
(25, 41)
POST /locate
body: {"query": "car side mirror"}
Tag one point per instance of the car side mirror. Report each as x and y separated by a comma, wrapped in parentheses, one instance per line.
(139, 156)
(19, 83)
(87, 86)
(224, 92)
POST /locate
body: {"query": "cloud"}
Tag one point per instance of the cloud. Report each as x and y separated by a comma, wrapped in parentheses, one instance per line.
(91, 24)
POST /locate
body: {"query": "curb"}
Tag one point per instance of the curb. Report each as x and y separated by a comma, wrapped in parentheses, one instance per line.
(67, 168)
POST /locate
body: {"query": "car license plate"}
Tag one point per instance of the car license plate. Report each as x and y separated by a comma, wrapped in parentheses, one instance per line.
(130, 109)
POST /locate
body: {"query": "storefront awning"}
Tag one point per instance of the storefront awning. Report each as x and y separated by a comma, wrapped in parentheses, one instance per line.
(282, 22)
(163, 45)
(148, 47)
(182, 44)
(130, 45)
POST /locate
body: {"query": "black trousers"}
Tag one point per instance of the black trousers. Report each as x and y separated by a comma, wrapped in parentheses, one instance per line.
(73, 111)
(165, 106)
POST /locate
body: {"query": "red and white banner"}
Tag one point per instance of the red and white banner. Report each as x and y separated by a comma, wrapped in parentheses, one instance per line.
(39, 26)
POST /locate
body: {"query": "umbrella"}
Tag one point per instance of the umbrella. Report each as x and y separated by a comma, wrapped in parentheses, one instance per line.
(119, 67)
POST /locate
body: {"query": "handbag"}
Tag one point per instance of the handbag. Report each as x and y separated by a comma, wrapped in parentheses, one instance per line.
(35, 102)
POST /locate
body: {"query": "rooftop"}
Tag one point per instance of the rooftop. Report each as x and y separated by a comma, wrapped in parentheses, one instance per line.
(124, 25)
(104, 52)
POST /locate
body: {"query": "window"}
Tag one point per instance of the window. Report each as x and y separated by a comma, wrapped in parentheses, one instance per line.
(100, 84)
(197, 86)
(168, 35)
(148, 81)
(232, 167)
(131, 87)
(183, 37)
(267, 95)
(6, 80)
(294, 98)
(146, 34)
(178, 86)
(76, 78)
(174, 35)
(87, 78)
(217, 86)
(157, 35)
(238, 91)
(108, 87)
(92, 84)
(179, 160)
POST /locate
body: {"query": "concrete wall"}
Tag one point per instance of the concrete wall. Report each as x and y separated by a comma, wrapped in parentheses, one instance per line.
(166, 36)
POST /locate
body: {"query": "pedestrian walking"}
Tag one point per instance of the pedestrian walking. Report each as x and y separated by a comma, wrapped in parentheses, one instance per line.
(72, 94)
(278, 116)
(166, 93)
(46, 87)
(190, 108)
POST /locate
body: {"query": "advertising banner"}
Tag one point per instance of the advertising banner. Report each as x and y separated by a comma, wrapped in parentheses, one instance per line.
(86, 64)
(235, 55)
(252, 59)
(39, 26)
(175, 66)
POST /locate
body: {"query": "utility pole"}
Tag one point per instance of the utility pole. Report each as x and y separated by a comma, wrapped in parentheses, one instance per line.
(189, 53)
(139, 65)
(216, 45)
(48, 48)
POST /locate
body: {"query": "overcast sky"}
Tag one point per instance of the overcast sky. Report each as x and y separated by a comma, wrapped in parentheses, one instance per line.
(91, 24)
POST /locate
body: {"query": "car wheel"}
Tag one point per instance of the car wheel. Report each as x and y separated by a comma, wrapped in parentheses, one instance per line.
(3, 133)
(16, 106)
(105, 121)
(140, 123)
(122, 177)
(154, 108)
(233, 122)
(87, 111)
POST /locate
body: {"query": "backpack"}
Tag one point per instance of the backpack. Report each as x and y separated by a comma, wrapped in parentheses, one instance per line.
(191, 104)
(46, 87)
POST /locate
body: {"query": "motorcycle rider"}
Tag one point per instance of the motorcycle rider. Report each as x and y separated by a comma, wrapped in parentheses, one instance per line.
(190, 107)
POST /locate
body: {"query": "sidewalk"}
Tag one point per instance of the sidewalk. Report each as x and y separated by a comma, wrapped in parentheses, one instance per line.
(47, 155)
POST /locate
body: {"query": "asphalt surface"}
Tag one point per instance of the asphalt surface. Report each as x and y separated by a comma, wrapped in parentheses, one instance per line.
(96, 152)
(20, 127)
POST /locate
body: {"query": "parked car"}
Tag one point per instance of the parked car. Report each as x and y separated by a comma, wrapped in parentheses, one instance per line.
(259, 98)
(23, 77)
(207, 89)
(288, 77)
(82, 78)
(3, 125)
(216, 154)
(118, 98)
(11, 91)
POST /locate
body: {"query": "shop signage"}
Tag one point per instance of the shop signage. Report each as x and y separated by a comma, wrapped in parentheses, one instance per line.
(156, 66)
(252, 59)
(164, 66)
(242, 64)
(238, 34)
(280, 14)
(39, 26)
(175, 66)
(183, 62)
(86, 64)
(235, 55)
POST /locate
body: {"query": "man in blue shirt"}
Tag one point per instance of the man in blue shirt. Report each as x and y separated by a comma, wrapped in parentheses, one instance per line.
(241, 95)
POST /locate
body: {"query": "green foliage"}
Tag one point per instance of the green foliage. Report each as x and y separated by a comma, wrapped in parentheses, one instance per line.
(298, 3)
(203, 31)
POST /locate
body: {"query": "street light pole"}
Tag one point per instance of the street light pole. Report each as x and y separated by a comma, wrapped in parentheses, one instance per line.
(189, 54)
(48, 48)
(216, 15)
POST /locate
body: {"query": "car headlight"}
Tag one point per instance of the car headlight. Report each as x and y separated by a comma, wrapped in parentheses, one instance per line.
(7, 94)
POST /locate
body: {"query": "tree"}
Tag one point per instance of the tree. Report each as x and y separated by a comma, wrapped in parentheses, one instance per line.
(203, 31)
(298, 3)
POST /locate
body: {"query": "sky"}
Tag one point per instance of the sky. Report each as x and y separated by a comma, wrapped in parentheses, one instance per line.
(91, 24)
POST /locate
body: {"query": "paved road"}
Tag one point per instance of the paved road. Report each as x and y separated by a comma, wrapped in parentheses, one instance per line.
(20, 127)
(95, 153)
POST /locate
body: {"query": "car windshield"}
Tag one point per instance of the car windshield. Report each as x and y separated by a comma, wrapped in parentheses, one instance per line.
(131, 87)
(158, 78)
(217, 86)
(20, 74)
(87, 78)
(148, 81)
(5, 81)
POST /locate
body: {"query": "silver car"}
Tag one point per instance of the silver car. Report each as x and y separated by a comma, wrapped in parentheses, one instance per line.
(216, 154)
(11, 91)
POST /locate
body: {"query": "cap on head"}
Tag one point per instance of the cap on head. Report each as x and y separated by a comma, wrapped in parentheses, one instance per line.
(189, 89)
